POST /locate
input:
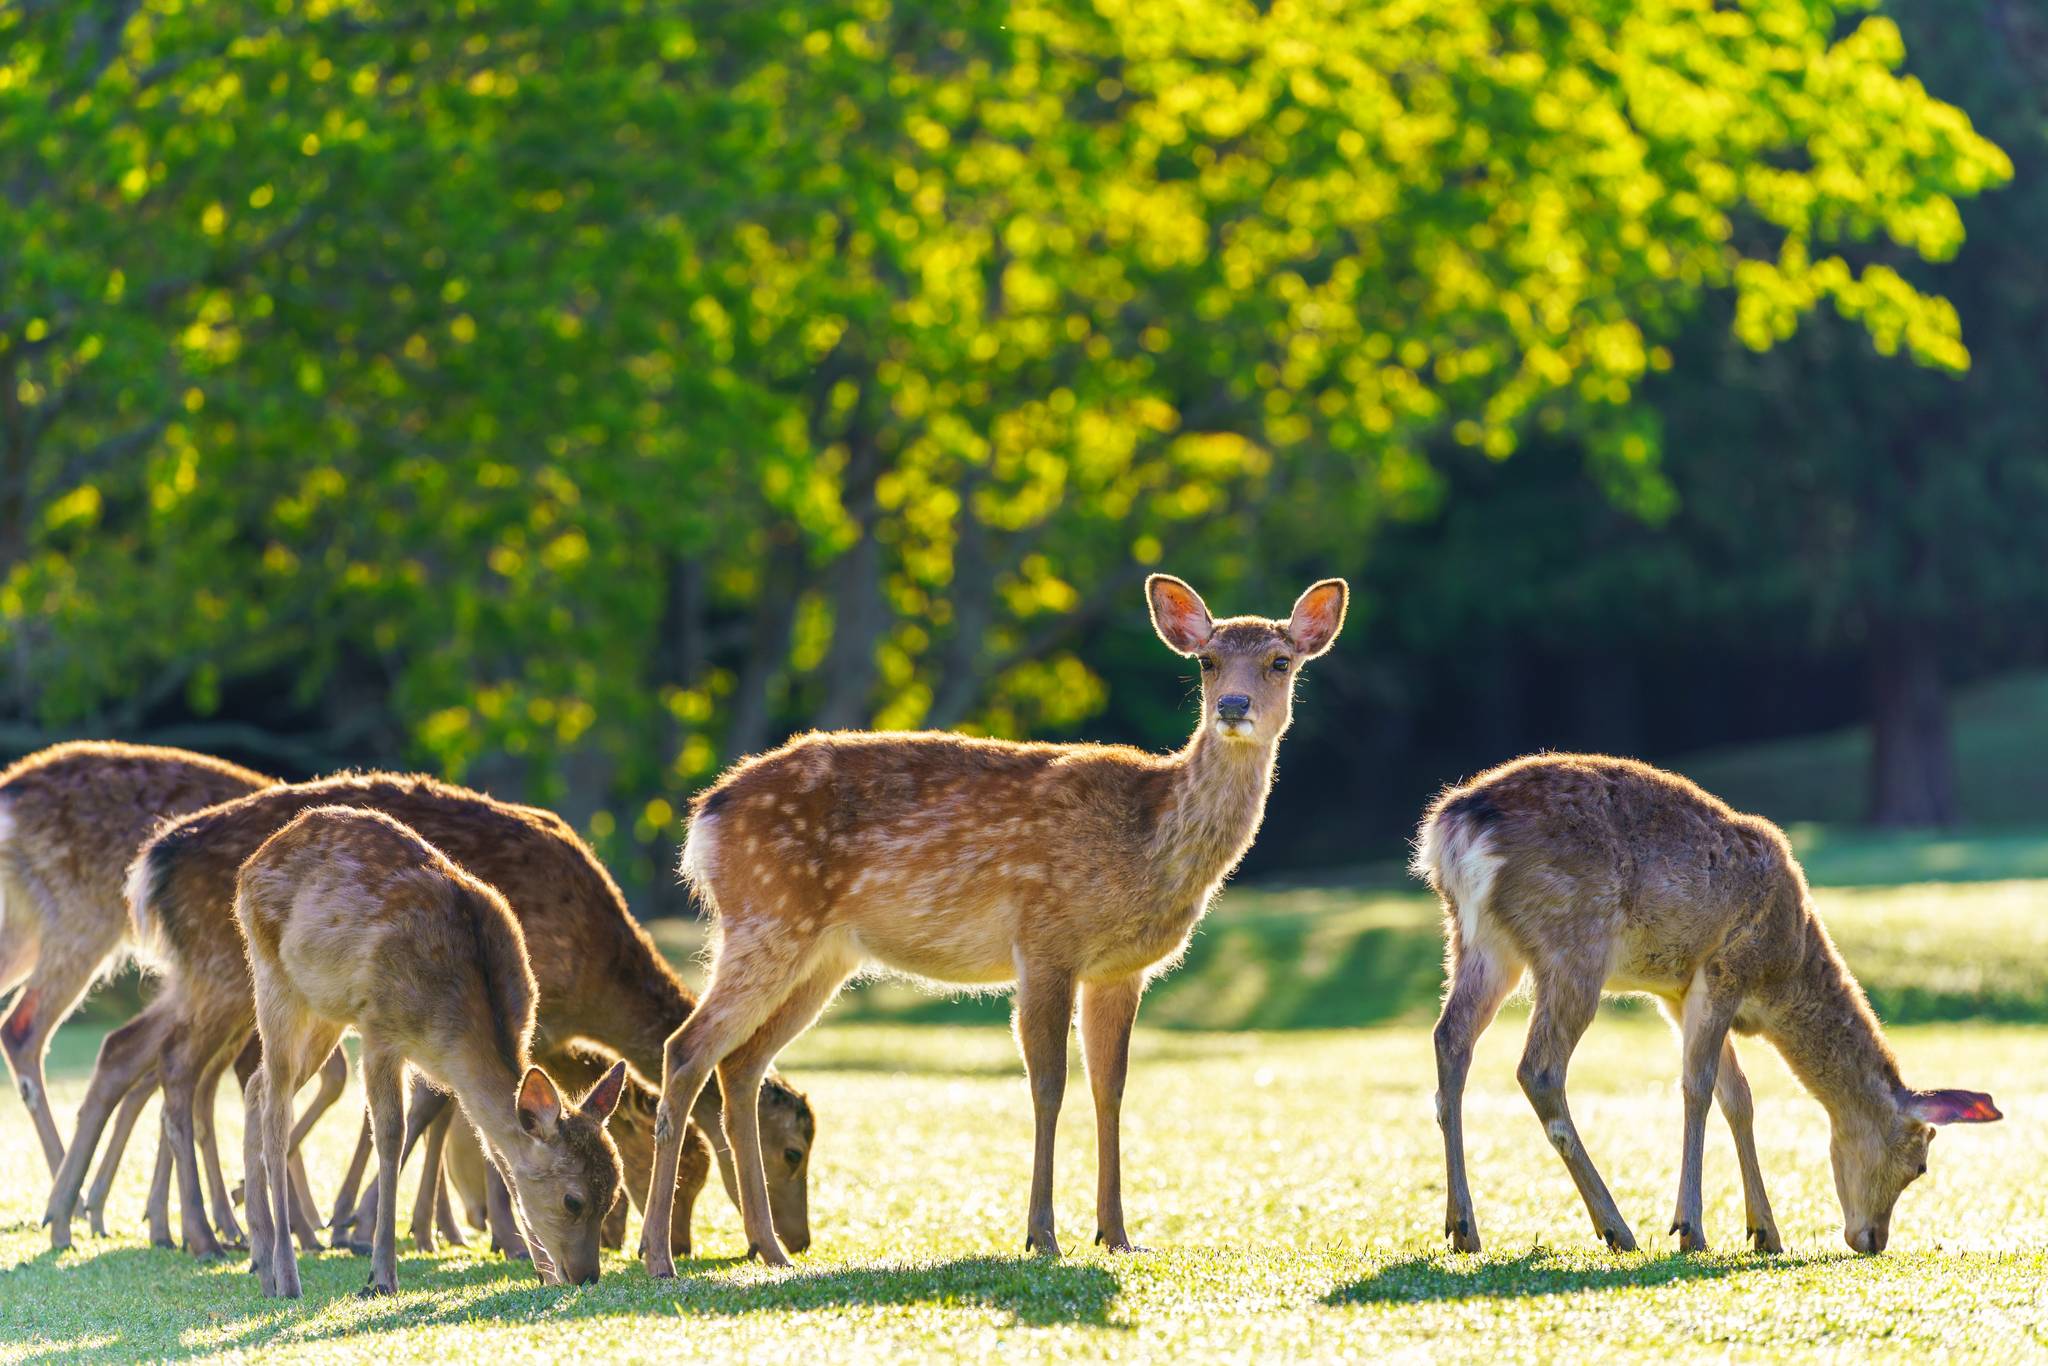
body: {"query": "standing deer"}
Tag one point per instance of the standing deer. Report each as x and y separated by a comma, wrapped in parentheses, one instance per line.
(1061, 868)
(71, 816)
(1595, 874)
(352, 919)
(600, 975)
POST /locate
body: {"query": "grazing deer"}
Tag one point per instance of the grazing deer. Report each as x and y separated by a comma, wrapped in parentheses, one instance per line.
(601, 977)
(1057, 867)
(632, 1130)
(1595, 874)
(71, 816)
(352, 919)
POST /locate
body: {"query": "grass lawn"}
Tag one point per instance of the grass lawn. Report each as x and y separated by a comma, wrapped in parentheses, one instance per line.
(1287, 1174)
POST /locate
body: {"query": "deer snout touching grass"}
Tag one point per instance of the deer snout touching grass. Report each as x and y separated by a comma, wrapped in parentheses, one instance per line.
(1074, 871)
(352, 919)
(1593, 874)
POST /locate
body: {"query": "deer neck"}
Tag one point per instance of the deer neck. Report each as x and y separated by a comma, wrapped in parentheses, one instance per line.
(488, 1085)
(1216, 801)
(1823, 1027)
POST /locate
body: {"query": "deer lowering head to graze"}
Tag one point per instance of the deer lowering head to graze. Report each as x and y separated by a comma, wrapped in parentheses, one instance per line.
(1595, 874)
(1062, 868)
(632, 1130)
(601, 977)
(71, 817)
(351, 919)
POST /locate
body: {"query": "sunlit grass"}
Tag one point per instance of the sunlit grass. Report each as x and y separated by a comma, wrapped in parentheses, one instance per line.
(1290, 1184)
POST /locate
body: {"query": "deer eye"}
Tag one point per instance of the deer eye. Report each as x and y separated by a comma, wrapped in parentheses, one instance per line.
(794, 1156)
(1208, 663)
(573, 1204)
(1280, 664)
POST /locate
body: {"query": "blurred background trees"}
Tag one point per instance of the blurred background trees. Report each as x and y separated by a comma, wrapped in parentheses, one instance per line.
(573, 398)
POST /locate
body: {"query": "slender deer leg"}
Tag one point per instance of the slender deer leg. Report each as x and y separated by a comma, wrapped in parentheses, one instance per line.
(53, 990)
(263, 1242)
(345, 1198)
(1564, 1007)
(1108, 1009)
(125, 1056)
(333, 1081)
(384, 1084)
(506, 1235)
(295, 1045)
(444, 1218)
(1731, 1088)
(125, 1120)
(205, 1099)
(158, 1206)
(1479, 983)
(1043, 1015)
(752, 977)
(430, 1182)
(185, 1058)
(739, 1077)
(1704, 1024)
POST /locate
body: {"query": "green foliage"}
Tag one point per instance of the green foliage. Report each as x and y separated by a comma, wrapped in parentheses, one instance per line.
(611, 390)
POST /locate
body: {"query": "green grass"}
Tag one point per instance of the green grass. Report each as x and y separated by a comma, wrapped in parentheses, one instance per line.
(1286, 1172)
(1291, 1185)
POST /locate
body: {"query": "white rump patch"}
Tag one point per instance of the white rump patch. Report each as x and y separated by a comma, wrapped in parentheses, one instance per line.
(140, 922)
(699, 860)
(1460, 863)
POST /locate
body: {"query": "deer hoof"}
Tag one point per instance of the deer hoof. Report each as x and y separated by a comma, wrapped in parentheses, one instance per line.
(1766, 1239)
(1464, 1237)
(1690, 1238)
(1619, 1239)
(373, 1288)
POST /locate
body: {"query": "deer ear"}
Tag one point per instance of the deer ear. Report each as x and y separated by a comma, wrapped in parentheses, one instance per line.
(604, 1097)
(1178, 614)
(1318, 616)
(1952, 1107)
(540, 1104)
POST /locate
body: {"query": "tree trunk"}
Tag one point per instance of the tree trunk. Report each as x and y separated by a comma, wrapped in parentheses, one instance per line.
(1912, 768)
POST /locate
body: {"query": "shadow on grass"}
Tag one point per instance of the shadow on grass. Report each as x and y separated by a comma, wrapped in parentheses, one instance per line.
(1540, 1272)
(194, 1309)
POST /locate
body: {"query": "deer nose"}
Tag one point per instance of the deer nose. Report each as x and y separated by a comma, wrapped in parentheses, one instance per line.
(1233, 707)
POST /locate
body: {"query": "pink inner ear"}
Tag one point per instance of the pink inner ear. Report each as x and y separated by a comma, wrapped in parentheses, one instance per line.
(1956, 1107)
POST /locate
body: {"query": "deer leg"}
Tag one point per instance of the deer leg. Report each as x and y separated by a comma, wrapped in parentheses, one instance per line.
(345, 1198)
(186, 1057)
(444, 1217)
(117, 1143)
(158, 1206)
(462, 1163)
(384, 1085)
(256, 1185)
(739, 1078)
(206, 1098)
(430, 1190)
(333, 1081)
(62, 972)
(1479, 983)
(754, 974)
(1043, 1015)
(1108, 1010)
(506, 1235)
(1703, 1023)
(1564, 1007)
(612, 1232)
(1731, 1088)
(126, 1055)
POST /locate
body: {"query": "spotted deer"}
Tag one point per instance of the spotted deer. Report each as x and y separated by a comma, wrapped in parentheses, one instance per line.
(351, 919)
(1595, 874)
(601, 977)
(1065, 869)
(71, 816)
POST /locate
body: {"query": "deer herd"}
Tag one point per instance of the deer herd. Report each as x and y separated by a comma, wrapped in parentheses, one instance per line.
(481, 948)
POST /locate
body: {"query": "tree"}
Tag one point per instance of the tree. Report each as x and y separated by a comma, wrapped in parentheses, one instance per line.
(603, 392)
